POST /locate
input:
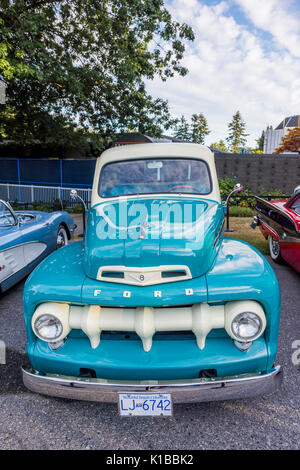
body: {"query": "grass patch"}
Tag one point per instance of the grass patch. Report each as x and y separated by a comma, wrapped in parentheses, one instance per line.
(239, 211)
(243, 231)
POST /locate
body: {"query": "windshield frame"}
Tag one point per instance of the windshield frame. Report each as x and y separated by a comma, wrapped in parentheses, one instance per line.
(294, 200)
(162, 157)
(9, 209)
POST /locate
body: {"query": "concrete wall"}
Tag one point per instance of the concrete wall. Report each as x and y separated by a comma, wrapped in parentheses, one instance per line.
(270, 171)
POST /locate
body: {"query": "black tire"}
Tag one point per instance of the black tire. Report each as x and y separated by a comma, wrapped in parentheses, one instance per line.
(275, 250)
(62, 237)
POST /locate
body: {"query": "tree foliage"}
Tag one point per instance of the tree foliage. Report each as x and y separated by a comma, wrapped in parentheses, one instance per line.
(237, 137)
(291, 142)
(182, 129)
(194, 131)
(220, 146)
(199, 128)
(260, 142)
(86, 62)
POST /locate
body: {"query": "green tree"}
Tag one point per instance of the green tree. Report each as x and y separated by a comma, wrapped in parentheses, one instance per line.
(182, 129)
(260, 141)
(220, 146)
(199, 128)
(86, 62)
(237, 133)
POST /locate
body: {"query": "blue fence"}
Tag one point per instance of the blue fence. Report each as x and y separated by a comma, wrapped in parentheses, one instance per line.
(48, 172)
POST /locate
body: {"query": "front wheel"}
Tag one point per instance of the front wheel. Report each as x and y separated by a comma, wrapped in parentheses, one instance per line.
(62, 237)
(275, 250)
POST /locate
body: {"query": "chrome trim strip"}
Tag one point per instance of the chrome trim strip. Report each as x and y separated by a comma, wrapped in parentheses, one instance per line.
(183, 391)
(268, 227)
(219, 234)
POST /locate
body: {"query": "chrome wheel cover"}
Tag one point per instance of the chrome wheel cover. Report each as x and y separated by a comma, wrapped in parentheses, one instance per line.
(274, 247)
(62, 238)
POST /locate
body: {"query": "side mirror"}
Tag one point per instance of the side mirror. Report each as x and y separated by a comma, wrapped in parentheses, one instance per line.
(74, 195)
(238, 188)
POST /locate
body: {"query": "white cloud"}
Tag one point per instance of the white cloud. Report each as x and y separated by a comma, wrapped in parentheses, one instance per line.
(230, 68)
(276, 18)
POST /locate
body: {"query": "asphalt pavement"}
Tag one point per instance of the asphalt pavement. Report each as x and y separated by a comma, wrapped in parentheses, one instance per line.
(31, 421)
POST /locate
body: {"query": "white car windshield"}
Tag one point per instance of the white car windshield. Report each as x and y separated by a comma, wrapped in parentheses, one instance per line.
(159, 175)
(6, 217)
(296, 205)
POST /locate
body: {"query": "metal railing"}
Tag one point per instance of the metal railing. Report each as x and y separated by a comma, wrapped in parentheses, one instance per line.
(25, 194)
(31, 194)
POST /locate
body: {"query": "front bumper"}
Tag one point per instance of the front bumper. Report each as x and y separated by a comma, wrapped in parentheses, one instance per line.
(72, 230)
(185, 391)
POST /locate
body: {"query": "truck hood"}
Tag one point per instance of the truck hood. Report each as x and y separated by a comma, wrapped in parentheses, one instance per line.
(169, 231)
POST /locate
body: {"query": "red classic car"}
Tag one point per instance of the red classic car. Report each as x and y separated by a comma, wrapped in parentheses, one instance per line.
(280, 222)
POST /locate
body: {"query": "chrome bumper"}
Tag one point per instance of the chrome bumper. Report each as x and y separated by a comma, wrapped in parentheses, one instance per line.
(188, 391)
(72, 230)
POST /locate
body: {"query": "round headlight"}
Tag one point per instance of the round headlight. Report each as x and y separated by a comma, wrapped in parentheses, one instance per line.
(246, 326)
(48, 327)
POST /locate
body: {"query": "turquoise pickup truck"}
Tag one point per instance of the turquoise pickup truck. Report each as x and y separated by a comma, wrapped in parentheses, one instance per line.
(155, 307)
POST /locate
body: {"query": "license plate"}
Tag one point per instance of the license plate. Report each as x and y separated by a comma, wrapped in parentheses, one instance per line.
(145, 404)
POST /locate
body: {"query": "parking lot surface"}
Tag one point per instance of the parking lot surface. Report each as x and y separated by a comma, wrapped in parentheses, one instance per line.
(30, 421)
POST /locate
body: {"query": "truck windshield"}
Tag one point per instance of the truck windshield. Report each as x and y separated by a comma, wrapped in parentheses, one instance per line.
(159, 175)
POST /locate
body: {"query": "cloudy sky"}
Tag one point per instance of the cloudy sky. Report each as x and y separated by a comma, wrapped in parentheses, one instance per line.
(246, 56)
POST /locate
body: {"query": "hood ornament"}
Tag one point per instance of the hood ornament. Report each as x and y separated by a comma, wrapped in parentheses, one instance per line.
(143, 228)
(140, 277)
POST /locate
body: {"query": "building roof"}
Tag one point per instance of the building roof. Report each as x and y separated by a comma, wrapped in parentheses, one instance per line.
(139, 138)
(128, 138)
(292, 121)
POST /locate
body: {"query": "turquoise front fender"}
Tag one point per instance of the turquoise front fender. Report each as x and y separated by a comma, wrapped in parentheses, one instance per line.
(57, 278)
(241, 272)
